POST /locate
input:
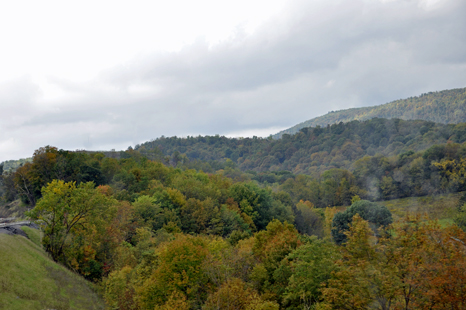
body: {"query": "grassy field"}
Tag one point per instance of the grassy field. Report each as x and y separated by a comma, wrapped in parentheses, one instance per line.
(31, 280)
(440, 207)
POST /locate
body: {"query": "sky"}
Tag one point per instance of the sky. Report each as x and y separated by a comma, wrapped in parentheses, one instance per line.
(102, 75)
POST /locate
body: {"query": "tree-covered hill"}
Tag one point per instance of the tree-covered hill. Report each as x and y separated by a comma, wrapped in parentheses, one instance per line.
(447, 107)
(11, 165)
(154, 236)
(312, 150)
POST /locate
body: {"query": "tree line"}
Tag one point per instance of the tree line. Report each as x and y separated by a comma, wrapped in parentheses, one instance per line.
(312, 150)
(439, 169)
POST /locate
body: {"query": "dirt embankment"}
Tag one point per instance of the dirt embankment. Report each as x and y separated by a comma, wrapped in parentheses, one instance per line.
(15, 228)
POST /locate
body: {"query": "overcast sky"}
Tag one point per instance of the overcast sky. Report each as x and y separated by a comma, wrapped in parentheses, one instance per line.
(103, 75)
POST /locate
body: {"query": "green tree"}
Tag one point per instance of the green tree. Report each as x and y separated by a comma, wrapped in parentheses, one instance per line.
(254, 201)
(376, 215)
(307, 220)
(270, 247)
(311, 267)
(460, 217)
(65, 209)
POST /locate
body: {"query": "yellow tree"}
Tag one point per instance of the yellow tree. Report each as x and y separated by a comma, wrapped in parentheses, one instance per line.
(349, 288)
(179, 271)
(235, 295)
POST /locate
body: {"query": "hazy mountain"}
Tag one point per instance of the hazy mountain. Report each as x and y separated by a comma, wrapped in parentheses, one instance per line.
(447, 107)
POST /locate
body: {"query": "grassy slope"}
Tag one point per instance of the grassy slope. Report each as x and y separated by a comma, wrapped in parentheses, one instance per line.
(31, 280)
(440, 207)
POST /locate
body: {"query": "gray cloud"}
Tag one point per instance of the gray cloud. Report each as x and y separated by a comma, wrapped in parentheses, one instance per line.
(318, 56)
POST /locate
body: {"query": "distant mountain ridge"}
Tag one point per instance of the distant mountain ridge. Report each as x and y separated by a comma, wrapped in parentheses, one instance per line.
(312, 150)
(447, 107)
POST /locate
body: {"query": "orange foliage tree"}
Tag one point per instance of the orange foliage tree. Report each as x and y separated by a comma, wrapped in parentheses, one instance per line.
(416, 264)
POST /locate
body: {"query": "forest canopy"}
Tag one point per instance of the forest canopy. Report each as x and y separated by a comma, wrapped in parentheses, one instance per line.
(312, 150)
(171, 232)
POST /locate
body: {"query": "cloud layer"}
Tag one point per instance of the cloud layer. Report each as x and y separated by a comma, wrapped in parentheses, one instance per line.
(311, 58)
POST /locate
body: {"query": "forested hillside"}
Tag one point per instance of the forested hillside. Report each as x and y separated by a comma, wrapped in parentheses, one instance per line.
(447, 107)
(9, 165)
(312, 150)
(163, 236)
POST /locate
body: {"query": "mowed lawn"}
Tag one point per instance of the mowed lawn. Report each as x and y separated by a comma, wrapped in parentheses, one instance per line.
(29, 279)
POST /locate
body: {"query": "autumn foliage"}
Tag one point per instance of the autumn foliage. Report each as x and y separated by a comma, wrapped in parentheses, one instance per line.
(415, 265)
(153, 236)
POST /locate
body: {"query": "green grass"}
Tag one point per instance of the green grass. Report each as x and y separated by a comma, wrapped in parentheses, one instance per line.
(446, 222)
(29, 279)
(33, 234)
(439, 207)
